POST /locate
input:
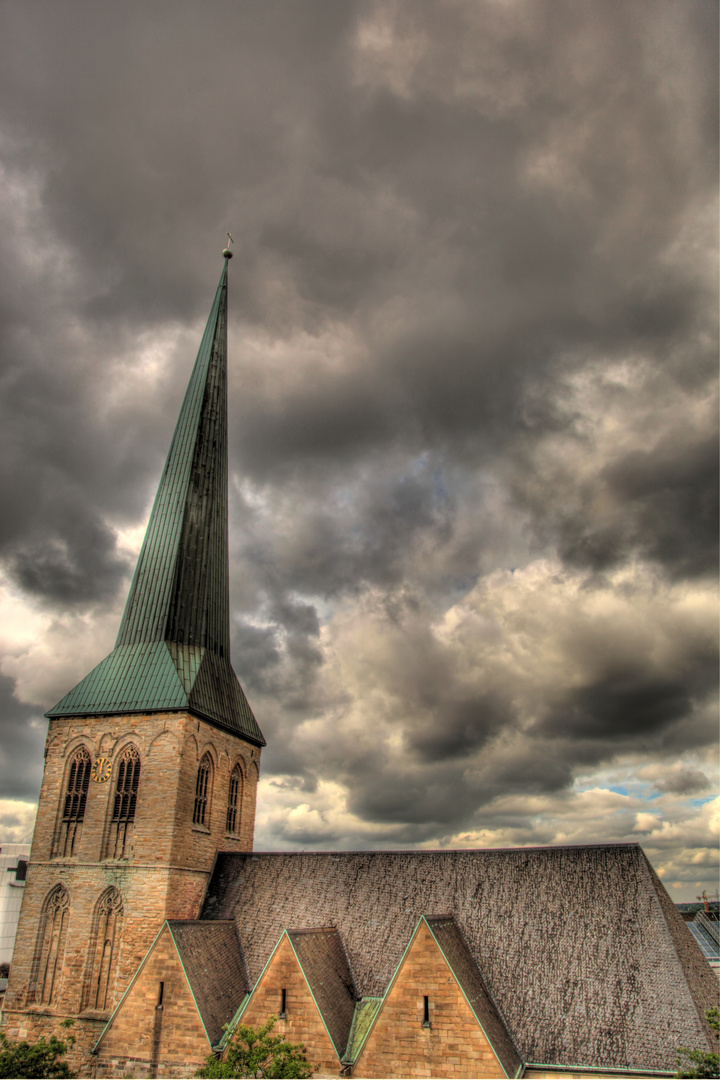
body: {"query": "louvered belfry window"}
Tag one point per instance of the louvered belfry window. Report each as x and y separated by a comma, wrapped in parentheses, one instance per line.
(202, 791)
(234, 801)
(73, 813)
(122, 825)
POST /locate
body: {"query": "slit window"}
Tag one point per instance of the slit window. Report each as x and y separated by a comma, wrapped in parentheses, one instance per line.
(426, 1011)
(283, 1004)
(161, 995)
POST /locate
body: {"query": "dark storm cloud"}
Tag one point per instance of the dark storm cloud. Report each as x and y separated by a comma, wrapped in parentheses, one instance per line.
(23, 741)
(684, 782)
(458, 729)
(446, 216)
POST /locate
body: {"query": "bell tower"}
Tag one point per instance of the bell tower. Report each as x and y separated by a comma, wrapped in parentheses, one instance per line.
(152, 760)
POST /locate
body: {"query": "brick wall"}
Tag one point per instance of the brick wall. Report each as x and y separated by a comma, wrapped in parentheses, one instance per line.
(145, 1040)
(164, 877)
(399, 1045)
(303, 1023)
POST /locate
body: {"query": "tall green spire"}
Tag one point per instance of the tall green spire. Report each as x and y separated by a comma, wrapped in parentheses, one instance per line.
(173, 646)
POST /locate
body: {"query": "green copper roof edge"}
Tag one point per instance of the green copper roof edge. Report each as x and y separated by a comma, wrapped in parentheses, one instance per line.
(389, 986)
(132, 656)
(230, 1027)
(348, 1057)
(184, 421)
(244, 1004)
(145, 958)
(472, 1010)
(312, 995)
(187, 980)
(163, 709)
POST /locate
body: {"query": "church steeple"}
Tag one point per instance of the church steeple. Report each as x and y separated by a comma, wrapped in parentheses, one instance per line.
(173, 647)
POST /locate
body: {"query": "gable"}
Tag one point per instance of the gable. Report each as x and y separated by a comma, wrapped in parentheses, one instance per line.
(150, 1024)
(324, 964)
(573, 943)
(401, 1043)
(303, 1022)
(457, 955)
(212, 962)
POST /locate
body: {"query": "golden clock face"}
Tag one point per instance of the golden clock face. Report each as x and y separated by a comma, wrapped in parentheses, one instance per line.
(102, 767)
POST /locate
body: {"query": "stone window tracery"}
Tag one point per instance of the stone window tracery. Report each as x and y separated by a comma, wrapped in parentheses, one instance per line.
(73, 809)
(235, 792)
(201, 814)
(104, 947)
(51, 946)
(122, 822)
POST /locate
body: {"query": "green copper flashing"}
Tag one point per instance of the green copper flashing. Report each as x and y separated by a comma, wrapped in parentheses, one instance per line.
(173, 646)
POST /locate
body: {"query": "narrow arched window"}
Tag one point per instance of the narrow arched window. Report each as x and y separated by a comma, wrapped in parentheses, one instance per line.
(122, 823)
(51, 946)
(104, 945)
(74, 800)
(202, 791)
(235, 792)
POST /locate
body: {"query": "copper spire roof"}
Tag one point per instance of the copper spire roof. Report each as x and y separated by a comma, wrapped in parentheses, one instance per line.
(173, 646)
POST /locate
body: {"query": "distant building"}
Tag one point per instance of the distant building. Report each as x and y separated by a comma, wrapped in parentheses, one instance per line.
(703, 922)
(13, 866)
(151, 922)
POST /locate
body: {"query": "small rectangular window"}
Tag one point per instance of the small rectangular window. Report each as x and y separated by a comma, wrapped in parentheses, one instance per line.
(21, 870)
(426, 1011)
(283, 1004)
(161, 995)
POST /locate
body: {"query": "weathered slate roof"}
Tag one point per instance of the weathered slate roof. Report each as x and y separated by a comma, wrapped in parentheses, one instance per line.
(445, 931)
(580, 948)
(322, 958)
(212, 961)
(173, 646)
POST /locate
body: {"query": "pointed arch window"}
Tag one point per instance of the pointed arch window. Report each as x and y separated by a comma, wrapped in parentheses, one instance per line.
(235, 793)
(104, 946)
(74, 800)
(203, 788)
(122, 823)
(51, 945)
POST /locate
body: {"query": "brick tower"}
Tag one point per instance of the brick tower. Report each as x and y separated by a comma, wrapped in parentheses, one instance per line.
(152, 760)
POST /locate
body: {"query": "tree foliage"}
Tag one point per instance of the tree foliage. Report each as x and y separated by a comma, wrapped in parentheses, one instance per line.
(701, 1063)
(254, 1052)
(42, 1059)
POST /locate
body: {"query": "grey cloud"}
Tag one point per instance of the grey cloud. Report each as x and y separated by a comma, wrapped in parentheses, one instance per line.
(23, 741)
(518, 201)
(458, 729)
(683, 781)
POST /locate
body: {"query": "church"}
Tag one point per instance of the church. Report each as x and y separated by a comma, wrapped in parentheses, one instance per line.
(149, 920)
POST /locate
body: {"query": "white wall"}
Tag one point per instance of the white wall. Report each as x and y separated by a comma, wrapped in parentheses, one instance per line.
(11, 894)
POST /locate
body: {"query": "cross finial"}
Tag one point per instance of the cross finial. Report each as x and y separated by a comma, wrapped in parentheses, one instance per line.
(229, 236)
(227, 252)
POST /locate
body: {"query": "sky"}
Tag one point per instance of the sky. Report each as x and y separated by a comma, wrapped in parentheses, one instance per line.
(472, 403)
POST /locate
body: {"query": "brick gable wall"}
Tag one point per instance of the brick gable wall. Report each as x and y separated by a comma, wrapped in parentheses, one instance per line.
(303, 1023)
(398, 1044)
(145, 1040)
